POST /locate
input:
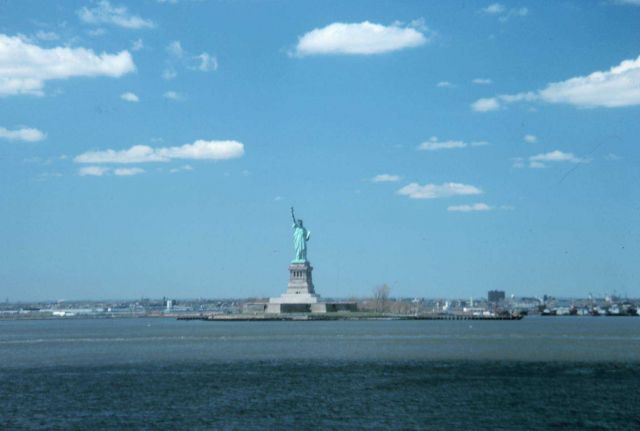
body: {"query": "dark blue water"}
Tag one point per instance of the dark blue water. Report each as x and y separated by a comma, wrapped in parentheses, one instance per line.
(554, 373)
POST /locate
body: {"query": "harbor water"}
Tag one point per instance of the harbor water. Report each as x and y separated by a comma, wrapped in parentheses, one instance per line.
(533, 374)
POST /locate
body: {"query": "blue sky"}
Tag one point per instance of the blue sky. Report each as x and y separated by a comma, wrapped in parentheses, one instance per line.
(153, 148)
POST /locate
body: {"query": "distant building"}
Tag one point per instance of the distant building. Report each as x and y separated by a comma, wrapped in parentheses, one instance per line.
(496, 295)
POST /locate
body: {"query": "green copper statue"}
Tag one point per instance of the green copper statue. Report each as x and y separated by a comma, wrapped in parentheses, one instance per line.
(300, 237)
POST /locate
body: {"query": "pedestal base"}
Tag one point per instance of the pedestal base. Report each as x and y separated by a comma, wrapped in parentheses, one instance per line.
(279, 308)
(296, 298)
(317, 307)
(300, 296)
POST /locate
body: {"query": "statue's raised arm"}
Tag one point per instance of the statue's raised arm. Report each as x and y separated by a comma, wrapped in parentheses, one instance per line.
(293, 217)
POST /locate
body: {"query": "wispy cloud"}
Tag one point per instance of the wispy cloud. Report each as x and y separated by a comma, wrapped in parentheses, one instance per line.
(494, 9)
(530, 139)
(45, 176)
(173, 95)
(100, 171)
(175, 49)
(93, 171)
(205, 63)
(434, 191)
(386, 178)
(199, 150)
(556, 156)
(444, 84)
(169, 74)
(137, 45)
(129, 97)
(482, 81)
(628, 2)
(26, 134)
(178, 56)
(434, 144)
(364, 38)
(96, 32)
(617, 87)
(183, 168)
(470, 208)
(127, 172)
(25, 67)
(494, 103)
(503, 13)
(47, 35)
(104, 13)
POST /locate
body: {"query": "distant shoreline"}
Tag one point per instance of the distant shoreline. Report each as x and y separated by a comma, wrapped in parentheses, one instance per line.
(295, 317)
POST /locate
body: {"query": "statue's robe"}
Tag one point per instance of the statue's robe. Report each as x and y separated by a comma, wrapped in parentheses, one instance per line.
(300, 238)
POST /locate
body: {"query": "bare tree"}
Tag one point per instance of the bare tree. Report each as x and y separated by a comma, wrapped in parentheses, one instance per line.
(381, 296)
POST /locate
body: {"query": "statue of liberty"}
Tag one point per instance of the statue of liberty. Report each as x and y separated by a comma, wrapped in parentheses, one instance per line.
(300, 237)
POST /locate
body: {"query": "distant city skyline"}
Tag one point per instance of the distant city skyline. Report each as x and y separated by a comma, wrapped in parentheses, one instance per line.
(154, 148)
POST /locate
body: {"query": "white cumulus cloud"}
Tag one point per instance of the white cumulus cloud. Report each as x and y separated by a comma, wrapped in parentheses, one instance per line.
(199, 150)
(104, 13)
(434, 144)
(542, 160)
(362, 38)
(617, 87)
(470, 208)
(24, 67)
(486, 105)
(433, 191)
(26, 134)
(385, 178)
(554, 156)
(129, 97)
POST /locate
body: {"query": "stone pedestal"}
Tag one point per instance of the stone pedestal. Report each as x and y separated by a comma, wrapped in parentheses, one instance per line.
(300, 295)
(300, 279)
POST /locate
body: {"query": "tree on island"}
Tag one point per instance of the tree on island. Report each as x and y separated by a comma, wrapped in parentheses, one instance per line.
(381, 296)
